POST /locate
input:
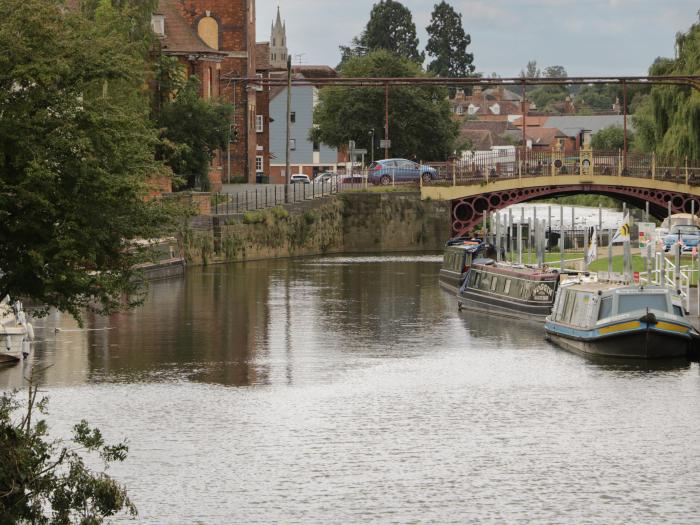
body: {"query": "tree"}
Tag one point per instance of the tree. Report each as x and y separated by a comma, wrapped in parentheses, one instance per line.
(448, 43)
(611, 138)
(547, 97)
(77, 156)
(192, 129)
(420, 122)
(531, 70)
(44, 481)
(597, 97)
(667, 120)
(391, 28)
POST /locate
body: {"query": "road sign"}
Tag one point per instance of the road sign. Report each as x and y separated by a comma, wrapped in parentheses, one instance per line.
(385, 144)
(351, 145)
(360, 151)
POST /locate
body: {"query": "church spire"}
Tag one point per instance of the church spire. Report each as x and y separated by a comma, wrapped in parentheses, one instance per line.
(278, 43)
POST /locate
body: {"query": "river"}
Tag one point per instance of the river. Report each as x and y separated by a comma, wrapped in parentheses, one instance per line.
(349, 389)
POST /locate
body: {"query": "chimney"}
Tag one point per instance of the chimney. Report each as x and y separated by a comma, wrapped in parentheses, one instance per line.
(477, 93)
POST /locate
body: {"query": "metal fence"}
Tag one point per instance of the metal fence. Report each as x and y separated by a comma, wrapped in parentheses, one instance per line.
(490, 166)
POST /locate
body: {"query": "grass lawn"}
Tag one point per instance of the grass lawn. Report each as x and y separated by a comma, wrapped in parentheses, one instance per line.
(601, 265)
(548, 257)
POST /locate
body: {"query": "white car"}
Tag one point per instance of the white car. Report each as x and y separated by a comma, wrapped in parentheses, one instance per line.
(299, 178)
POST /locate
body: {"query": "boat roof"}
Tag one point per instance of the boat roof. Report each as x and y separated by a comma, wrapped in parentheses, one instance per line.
(522, 272)
(606, 286)
(467, 246)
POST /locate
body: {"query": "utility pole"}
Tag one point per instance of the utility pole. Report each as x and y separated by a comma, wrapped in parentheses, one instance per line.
(289, 124)
(371, 134)
(386, 121)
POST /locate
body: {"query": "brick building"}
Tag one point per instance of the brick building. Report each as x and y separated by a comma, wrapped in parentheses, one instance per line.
(262, 117)
(228, 26)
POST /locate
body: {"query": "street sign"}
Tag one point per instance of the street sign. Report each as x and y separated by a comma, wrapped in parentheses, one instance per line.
(385, 144)
(351, 145)
(360, 151)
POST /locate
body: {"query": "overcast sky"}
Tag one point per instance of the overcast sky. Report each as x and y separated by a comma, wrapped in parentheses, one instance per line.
(588, 37)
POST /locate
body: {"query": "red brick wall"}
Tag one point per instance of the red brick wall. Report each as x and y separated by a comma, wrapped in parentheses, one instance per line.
(236, 19)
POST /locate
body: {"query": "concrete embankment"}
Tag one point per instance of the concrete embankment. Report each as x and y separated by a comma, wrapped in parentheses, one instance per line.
(362, 222)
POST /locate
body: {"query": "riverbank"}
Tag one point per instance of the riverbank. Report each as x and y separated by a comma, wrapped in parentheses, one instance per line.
(361, 222)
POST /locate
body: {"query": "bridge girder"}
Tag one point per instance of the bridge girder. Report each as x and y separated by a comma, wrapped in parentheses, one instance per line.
(468, 210)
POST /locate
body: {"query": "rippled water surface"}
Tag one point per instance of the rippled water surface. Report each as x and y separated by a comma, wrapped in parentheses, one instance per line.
(350, 390)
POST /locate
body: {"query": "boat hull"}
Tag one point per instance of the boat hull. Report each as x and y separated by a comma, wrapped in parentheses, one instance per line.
(451, 281)
(13, 346)
(468, 300)
(645, 343)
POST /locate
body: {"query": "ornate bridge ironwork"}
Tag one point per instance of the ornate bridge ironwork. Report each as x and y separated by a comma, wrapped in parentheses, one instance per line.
(477, 188)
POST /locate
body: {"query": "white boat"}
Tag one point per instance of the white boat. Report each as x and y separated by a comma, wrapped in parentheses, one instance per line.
(620, 320)
(15, 332)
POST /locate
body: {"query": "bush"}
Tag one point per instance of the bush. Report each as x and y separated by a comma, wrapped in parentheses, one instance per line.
(253, 217)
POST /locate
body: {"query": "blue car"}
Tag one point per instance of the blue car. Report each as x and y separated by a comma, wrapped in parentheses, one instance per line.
(687, 234)
(400, 170)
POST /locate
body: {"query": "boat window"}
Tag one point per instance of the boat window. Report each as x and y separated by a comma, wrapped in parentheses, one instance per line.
(605, 308)
(571, 301)
(506, 289)
(494, 283)
(633, 302)
(678, 310)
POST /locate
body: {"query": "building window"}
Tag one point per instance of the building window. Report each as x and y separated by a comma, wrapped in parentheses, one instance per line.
(292, 144)
(258, 87)
(158, 24)
(259, 123)
(460, 110)
(210, 82)
(293, 117)
(259, 164)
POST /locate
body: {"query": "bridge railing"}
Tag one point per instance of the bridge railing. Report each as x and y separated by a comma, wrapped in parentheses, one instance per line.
(492, 166)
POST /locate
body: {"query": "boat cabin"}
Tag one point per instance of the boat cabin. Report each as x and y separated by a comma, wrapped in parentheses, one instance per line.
(586, 304)
(515, 283)
(458, 259)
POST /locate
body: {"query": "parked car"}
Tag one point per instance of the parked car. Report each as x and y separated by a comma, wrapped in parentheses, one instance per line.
(299, 178)
(687, 234)
(325, 178)
(400, 170)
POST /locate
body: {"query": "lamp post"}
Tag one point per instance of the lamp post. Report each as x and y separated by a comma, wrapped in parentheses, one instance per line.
(371, 143)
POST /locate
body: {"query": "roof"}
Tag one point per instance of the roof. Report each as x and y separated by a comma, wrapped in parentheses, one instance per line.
(262, 56)
(315, 71)
(505, 94)
(180, 38)
(574, 124)
(483, 140)
(531, 121)
(543, 136)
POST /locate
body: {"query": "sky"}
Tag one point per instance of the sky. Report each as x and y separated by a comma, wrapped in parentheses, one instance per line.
(587, 37)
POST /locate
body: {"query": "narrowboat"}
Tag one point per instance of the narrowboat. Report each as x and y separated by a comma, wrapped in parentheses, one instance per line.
(618, 320)
(457, 259)
(509, 290)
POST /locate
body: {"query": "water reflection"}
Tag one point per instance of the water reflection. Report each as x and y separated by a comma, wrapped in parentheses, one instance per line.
(351, 390)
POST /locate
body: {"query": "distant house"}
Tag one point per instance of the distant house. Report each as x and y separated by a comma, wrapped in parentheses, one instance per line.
(306, 156)
(575, 126)
(490, 104)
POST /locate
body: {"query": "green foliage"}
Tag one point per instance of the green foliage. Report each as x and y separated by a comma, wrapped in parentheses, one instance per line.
(77, 154)
(420, 122)
(531, 70)
(667, 121)
(47, 482)
(590, 200)
(253, 217)
(390, 28)
(192, 129)
(611, 138)
(448, 43)
(547, 97)
(597, 97)
(279, 213)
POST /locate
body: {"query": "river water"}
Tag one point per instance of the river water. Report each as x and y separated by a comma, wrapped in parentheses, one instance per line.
(351, 390)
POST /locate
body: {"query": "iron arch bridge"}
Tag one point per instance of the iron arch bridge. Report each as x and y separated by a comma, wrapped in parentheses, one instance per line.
(476, 195)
